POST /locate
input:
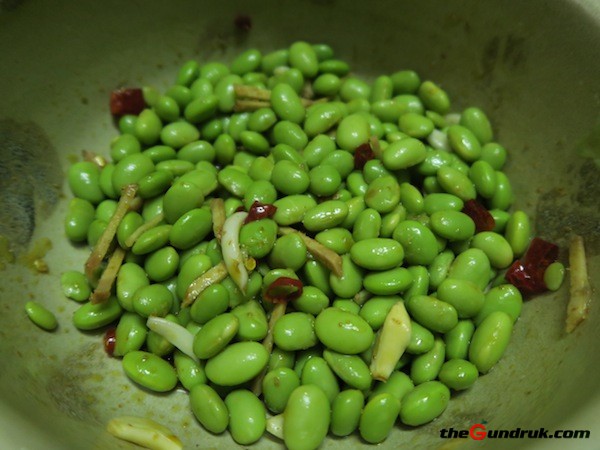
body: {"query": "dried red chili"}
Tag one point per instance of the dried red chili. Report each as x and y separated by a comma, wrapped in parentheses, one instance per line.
(484, 221)
(283, 290)
(259, 211)
(110, 340)
(127, 101)
(362, 154)
(528, 275)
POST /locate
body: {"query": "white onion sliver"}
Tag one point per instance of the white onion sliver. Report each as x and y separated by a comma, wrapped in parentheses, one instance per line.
(232, 254)
(177, 335)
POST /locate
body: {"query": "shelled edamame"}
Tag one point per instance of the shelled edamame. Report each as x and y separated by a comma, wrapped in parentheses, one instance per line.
(303, 235)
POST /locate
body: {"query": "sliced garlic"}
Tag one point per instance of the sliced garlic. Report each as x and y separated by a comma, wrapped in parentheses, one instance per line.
(177, 335)
(144, 432)
(232, 254)
(275, 425)
(391, 342)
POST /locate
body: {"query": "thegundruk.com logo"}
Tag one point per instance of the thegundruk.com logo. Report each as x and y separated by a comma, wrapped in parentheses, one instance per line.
(480, 431)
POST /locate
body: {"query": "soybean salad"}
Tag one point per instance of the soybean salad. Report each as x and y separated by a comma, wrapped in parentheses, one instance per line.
(307, 253)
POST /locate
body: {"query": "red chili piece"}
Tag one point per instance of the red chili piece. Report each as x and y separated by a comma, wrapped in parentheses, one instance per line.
(259, 211)
(362, 154)
(242, 22)
(283, 290)
(110, 340)
(484, 221)
(126, 101)
(528, 276)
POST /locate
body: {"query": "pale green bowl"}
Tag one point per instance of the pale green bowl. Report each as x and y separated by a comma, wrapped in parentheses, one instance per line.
(532, 66)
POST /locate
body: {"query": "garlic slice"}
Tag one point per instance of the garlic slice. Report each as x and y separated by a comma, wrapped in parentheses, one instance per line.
(177, 335)
(275, 425)
(144, 432)
(232, 254)
(391, 342)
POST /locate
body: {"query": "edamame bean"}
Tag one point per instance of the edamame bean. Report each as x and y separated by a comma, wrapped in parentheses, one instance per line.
(302, 56)
(352, 131)
(295, 331)
(477, 122)
(189, 372)
(377, 253)
(432, 313)
(346, 410)
(209, 408)
(426, 366)
(162, 264)
(421, 339)
(84, 181)
(464, 143)
(490, 340)
(378, 418)
(554, 276)
(277, 386)
(466, 298)
(130, 334)
(403, 154)
(75, 285)
(149, 371)
(41, 316)
(351, 369)
(456, 183)
(383, 194)
(505, 298)
(91, 316)
(237, 363)
(434, 97)
(325, 215)
(424, 403)
(343, 332)
(496, 247)
(458, 374)
(306, 418)
(471, 265)
(458, 339)
(211, 302)
(247, 416)
(152, 300)
(518, 232)
(317, 372)
(191, 228)
(388, 282)
(419, 243)
(286, 103)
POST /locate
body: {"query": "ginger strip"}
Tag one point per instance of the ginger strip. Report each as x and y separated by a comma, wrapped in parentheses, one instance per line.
(580, 291)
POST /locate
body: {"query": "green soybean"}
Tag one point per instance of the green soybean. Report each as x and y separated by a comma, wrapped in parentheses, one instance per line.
(150, 371)
(209, 408)
(346, 412)
(91, 316)
(130, 334)
(505, 298)
(75, 285)
(41, 316)
(554, 276)
(247, 416)
(237, 363)
(351, 369)
(490, 340)
(426, 366)
(432, 313)
(306, 418)
(277, 386)
(458, 339)
(458, 374)
(424, 403)
(418, 241)
(378, 418)
(316, 371)
(377, 253)
(295, 331)
(342, 331)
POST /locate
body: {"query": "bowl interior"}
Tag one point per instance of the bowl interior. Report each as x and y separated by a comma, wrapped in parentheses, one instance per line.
(534, 74)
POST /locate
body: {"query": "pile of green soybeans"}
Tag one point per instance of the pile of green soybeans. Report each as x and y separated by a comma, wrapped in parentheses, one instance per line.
(289, 243)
